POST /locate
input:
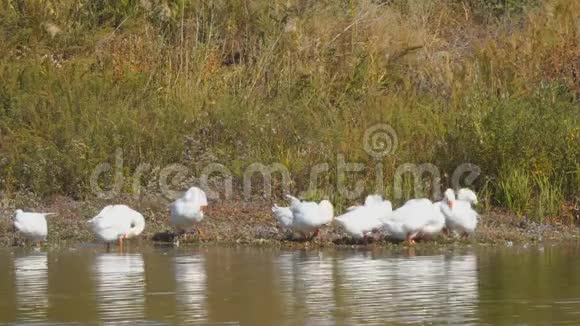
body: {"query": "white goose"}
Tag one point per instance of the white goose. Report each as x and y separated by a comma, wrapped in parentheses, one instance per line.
(436, 221)
(117, 223)
(284, 216)
(468, 195)
(31, 225)
(460, 217)
(358, 221)
(417, 217)
(310, 216)
(187, 211)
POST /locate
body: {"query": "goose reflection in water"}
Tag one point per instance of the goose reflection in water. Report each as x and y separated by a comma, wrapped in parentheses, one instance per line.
(408, 289)
(191, 282)
(358, 288)
(462, 288)
(307, 286)
(31, 278)
(120, 287)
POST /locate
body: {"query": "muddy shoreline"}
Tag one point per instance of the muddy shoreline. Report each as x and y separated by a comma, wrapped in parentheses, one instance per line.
(237, 222)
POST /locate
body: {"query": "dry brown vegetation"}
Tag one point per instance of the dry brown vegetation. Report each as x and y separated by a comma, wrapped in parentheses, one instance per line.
(493, 83)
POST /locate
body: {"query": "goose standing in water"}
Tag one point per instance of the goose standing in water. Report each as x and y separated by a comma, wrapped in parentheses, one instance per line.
(31, 225)
(460, 217)
(310, 216)
(358, 221)
(187, 211)
(117, 223)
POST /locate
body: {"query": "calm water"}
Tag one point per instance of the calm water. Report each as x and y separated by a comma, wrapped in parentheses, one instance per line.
(250, 286)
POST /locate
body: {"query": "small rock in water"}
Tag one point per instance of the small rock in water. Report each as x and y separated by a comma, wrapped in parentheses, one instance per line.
(509, 244)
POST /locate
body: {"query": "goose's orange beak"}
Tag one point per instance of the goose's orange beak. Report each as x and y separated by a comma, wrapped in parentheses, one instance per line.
(451, 203)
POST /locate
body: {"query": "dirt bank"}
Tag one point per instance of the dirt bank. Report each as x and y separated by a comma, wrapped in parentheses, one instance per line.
(252, 223)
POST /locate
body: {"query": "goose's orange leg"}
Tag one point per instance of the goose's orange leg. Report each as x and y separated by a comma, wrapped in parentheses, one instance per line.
(201, 234)
(315, 234)
(121, 244)
(410, 238)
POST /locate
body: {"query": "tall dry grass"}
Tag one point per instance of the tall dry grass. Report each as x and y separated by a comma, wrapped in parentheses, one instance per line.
(493, 83)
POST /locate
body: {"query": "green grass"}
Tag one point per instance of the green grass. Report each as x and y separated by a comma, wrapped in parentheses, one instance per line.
(515, 190)
(549, 198)
(188, 82)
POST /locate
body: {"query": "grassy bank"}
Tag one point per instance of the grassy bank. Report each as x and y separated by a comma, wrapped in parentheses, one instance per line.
(493, 83)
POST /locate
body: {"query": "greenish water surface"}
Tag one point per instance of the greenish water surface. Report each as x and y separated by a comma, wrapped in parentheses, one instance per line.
(83, 284)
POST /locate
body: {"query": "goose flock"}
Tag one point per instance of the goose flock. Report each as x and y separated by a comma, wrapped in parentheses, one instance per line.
(415, 219)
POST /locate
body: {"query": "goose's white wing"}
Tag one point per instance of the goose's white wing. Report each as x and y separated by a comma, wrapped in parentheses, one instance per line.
(283, 215)
(363, 219)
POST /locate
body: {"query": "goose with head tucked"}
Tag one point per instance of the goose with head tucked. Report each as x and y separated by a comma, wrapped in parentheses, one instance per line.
(308, 216)
(416, 218)
(460, 217)
(188, 211)
(361, 220)
(117, 223)
(31, 225)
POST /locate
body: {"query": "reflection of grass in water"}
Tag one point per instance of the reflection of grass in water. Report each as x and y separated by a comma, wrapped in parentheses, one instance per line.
(288, 83)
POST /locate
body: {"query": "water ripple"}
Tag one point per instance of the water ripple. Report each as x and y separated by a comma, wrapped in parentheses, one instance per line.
(220, 286)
